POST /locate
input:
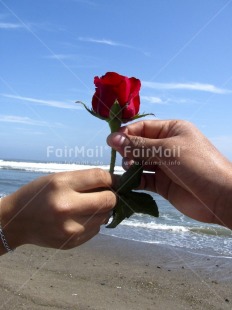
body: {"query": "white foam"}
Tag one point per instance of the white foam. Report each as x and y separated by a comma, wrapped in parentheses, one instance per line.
(50, 167)
(155, 226)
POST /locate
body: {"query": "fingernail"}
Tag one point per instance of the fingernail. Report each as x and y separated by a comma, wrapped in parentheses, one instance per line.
(107, 220)
(116, 139)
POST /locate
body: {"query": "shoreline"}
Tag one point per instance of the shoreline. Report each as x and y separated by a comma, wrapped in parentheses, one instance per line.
(198, 251)
(113, 273)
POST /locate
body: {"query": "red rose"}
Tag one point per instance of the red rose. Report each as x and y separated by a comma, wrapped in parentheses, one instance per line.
(113, 86)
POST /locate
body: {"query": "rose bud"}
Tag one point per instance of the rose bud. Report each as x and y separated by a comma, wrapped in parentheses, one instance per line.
(113, 87)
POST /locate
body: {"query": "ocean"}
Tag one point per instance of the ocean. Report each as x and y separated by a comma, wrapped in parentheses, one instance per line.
(171, 228)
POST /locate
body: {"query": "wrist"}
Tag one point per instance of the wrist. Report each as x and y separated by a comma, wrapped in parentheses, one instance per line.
(223, 207)
(10, 237)
(4, 246)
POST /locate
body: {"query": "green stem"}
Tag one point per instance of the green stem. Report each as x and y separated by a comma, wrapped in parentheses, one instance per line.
(112, 161)
(114, 123)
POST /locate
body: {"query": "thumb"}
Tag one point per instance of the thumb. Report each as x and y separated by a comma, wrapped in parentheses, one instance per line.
(136, 147)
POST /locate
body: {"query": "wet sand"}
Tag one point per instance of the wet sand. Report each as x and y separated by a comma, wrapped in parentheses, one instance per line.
(111, 273)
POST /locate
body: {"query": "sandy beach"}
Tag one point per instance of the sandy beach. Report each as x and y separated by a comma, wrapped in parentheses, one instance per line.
(111, 273)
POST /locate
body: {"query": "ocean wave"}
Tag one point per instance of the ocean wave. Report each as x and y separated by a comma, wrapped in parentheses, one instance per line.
(50, 167)
(199, 230)
(155, 226)
(214, 231)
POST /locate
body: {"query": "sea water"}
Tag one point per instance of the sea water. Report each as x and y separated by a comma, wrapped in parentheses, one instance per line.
(171, 228)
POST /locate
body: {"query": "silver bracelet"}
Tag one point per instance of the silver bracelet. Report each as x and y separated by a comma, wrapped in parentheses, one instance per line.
(4, 242)
(3, 238)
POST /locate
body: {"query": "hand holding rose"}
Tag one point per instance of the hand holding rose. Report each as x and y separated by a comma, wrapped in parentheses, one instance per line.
(200, 186)
(61, 210)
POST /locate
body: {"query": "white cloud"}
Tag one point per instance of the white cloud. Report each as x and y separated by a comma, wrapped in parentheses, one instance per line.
(186, 86)
(62, 56)
(10, 26)
(104, 41)
(21, 120)
(112, 43)
(152, 99)
(50, 103)
(168, 100)
(78, 61)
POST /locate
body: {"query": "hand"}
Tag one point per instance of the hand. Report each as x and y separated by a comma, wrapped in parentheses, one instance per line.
(61, 210)
(189, 171)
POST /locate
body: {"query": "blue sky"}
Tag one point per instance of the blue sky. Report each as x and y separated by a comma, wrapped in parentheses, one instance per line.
(52, 49)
